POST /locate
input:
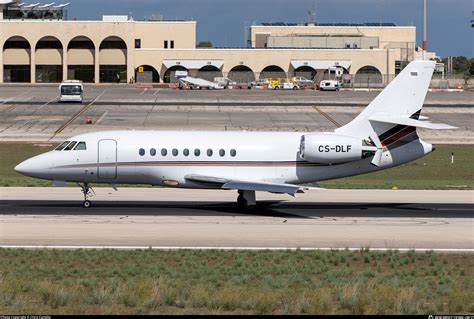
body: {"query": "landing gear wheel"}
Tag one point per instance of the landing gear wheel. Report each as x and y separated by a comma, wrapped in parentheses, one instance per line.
(88, 192)
(241, 202)
(246, 199)
(87, 204)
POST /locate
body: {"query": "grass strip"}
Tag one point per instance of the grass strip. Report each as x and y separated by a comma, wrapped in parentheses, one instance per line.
(234, 282)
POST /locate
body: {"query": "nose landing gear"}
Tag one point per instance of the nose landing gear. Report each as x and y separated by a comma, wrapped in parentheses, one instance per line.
(88, 192)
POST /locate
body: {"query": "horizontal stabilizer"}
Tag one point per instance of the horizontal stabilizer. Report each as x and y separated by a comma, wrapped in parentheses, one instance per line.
(384, 118)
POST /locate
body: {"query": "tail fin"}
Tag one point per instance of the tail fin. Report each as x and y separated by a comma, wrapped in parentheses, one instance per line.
(395, 113)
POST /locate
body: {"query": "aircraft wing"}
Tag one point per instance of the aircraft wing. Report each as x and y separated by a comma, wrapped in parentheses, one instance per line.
(226, 183)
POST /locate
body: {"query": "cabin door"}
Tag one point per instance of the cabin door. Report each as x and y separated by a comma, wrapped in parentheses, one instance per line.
(107, 159)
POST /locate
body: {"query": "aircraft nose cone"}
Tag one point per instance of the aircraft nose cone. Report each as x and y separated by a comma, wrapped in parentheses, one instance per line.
(34, 167)
(27, 167)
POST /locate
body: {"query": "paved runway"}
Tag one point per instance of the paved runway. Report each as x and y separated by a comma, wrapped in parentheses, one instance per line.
(193, 218)
(31, 113)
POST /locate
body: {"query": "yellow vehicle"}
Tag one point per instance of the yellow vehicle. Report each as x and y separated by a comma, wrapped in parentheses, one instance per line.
(282, 84)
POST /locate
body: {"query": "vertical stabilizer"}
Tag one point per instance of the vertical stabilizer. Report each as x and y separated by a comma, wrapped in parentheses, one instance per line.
(402, 98)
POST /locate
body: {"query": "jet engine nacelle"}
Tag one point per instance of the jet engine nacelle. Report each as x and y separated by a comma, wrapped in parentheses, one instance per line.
(330, 148)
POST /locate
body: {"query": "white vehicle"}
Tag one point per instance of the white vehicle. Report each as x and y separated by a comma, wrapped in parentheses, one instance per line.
(302, 81)
(260, 83)
(382, 136)
(224, 82)
(286, 86)
(71, 91)
(329, 85)
(197, 83)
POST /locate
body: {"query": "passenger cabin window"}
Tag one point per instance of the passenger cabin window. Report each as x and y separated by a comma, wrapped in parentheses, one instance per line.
(175, 152)
(165, 44)
(164, 152)
(186, 152)
(61, 146)
(152, 152)
(197, 152)
(81, 146)
(70, 146)
(222, 152)
(209, 152)
(141, 152)
(233, 153)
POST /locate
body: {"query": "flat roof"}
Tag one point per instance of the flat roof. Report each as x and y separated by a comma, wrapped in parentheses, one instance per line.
(333, 24)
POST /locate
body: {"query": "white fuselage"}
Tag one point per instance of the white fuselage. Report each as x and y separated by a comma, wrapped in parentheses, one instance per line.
(127, 157)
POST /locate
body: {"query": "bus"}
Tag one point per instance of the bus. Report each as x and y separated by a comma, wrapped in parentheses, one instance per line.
(71, 91)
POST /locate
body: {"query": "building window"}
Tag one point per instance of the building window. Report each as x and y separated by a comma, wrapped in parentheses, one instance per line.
(172, 44)
(186, 152)
(141, 152)
(152, 152)
(197, 152)
(233, 153)
(221, 152)
(164, 152)
(166, 44)
(138, 43)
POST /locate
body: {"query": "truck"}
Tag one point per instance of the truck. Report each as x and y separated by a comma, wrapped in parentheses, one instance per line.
(283, 84)
(224, 82)
(329, 85)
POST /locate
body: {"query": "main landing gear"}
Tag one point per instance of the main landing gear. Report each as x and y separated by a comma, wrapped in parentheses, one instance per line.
(246, 199)
(88, 192)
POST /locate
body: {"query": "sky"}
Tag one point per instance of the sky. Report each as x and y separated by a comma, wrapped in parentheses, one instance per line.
(223, 22)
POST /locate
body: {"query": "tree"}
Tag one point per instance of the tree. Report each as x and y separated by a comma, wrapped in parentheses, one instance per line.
(204, 44)
(461, 65)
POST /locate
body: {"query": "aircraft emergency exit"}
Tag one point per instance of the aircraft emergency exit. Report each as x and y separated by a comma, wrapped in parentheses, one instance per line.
(382, 136)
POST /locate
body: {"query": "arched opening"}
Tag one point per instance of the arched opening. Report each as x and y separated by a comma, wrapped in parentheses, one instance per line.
(113, 60)
(49, 60)
(241, 74)
(368, 75)
(272, 71)
(170, 74)
(146, 74)
(81, 59)
(209, 72)
(16, 60)
(305, 71)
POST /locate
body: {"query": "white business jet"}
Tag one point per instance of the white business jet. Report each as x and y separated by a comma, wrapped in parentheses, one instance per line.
(382, 136)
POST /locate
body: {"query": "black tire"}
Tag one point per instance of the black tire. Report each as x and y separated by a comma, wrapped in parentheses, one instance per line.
(241, 202)
(87, 204)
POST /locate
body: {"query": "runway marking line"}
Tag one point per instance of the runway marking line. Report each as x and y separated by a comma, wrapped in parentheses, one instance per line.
(67, 247)
(47, 103)
(327, 116)
(72, 119)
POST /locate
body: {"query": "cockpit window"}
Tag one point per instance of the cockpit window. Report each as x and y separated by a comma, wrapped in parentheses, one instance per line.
(81, 146)
(70, 146)
(61, 146)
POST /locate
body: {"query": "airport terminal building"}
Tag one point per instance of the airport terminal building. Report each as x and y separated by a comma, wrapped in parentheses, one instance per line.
(39, 45)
